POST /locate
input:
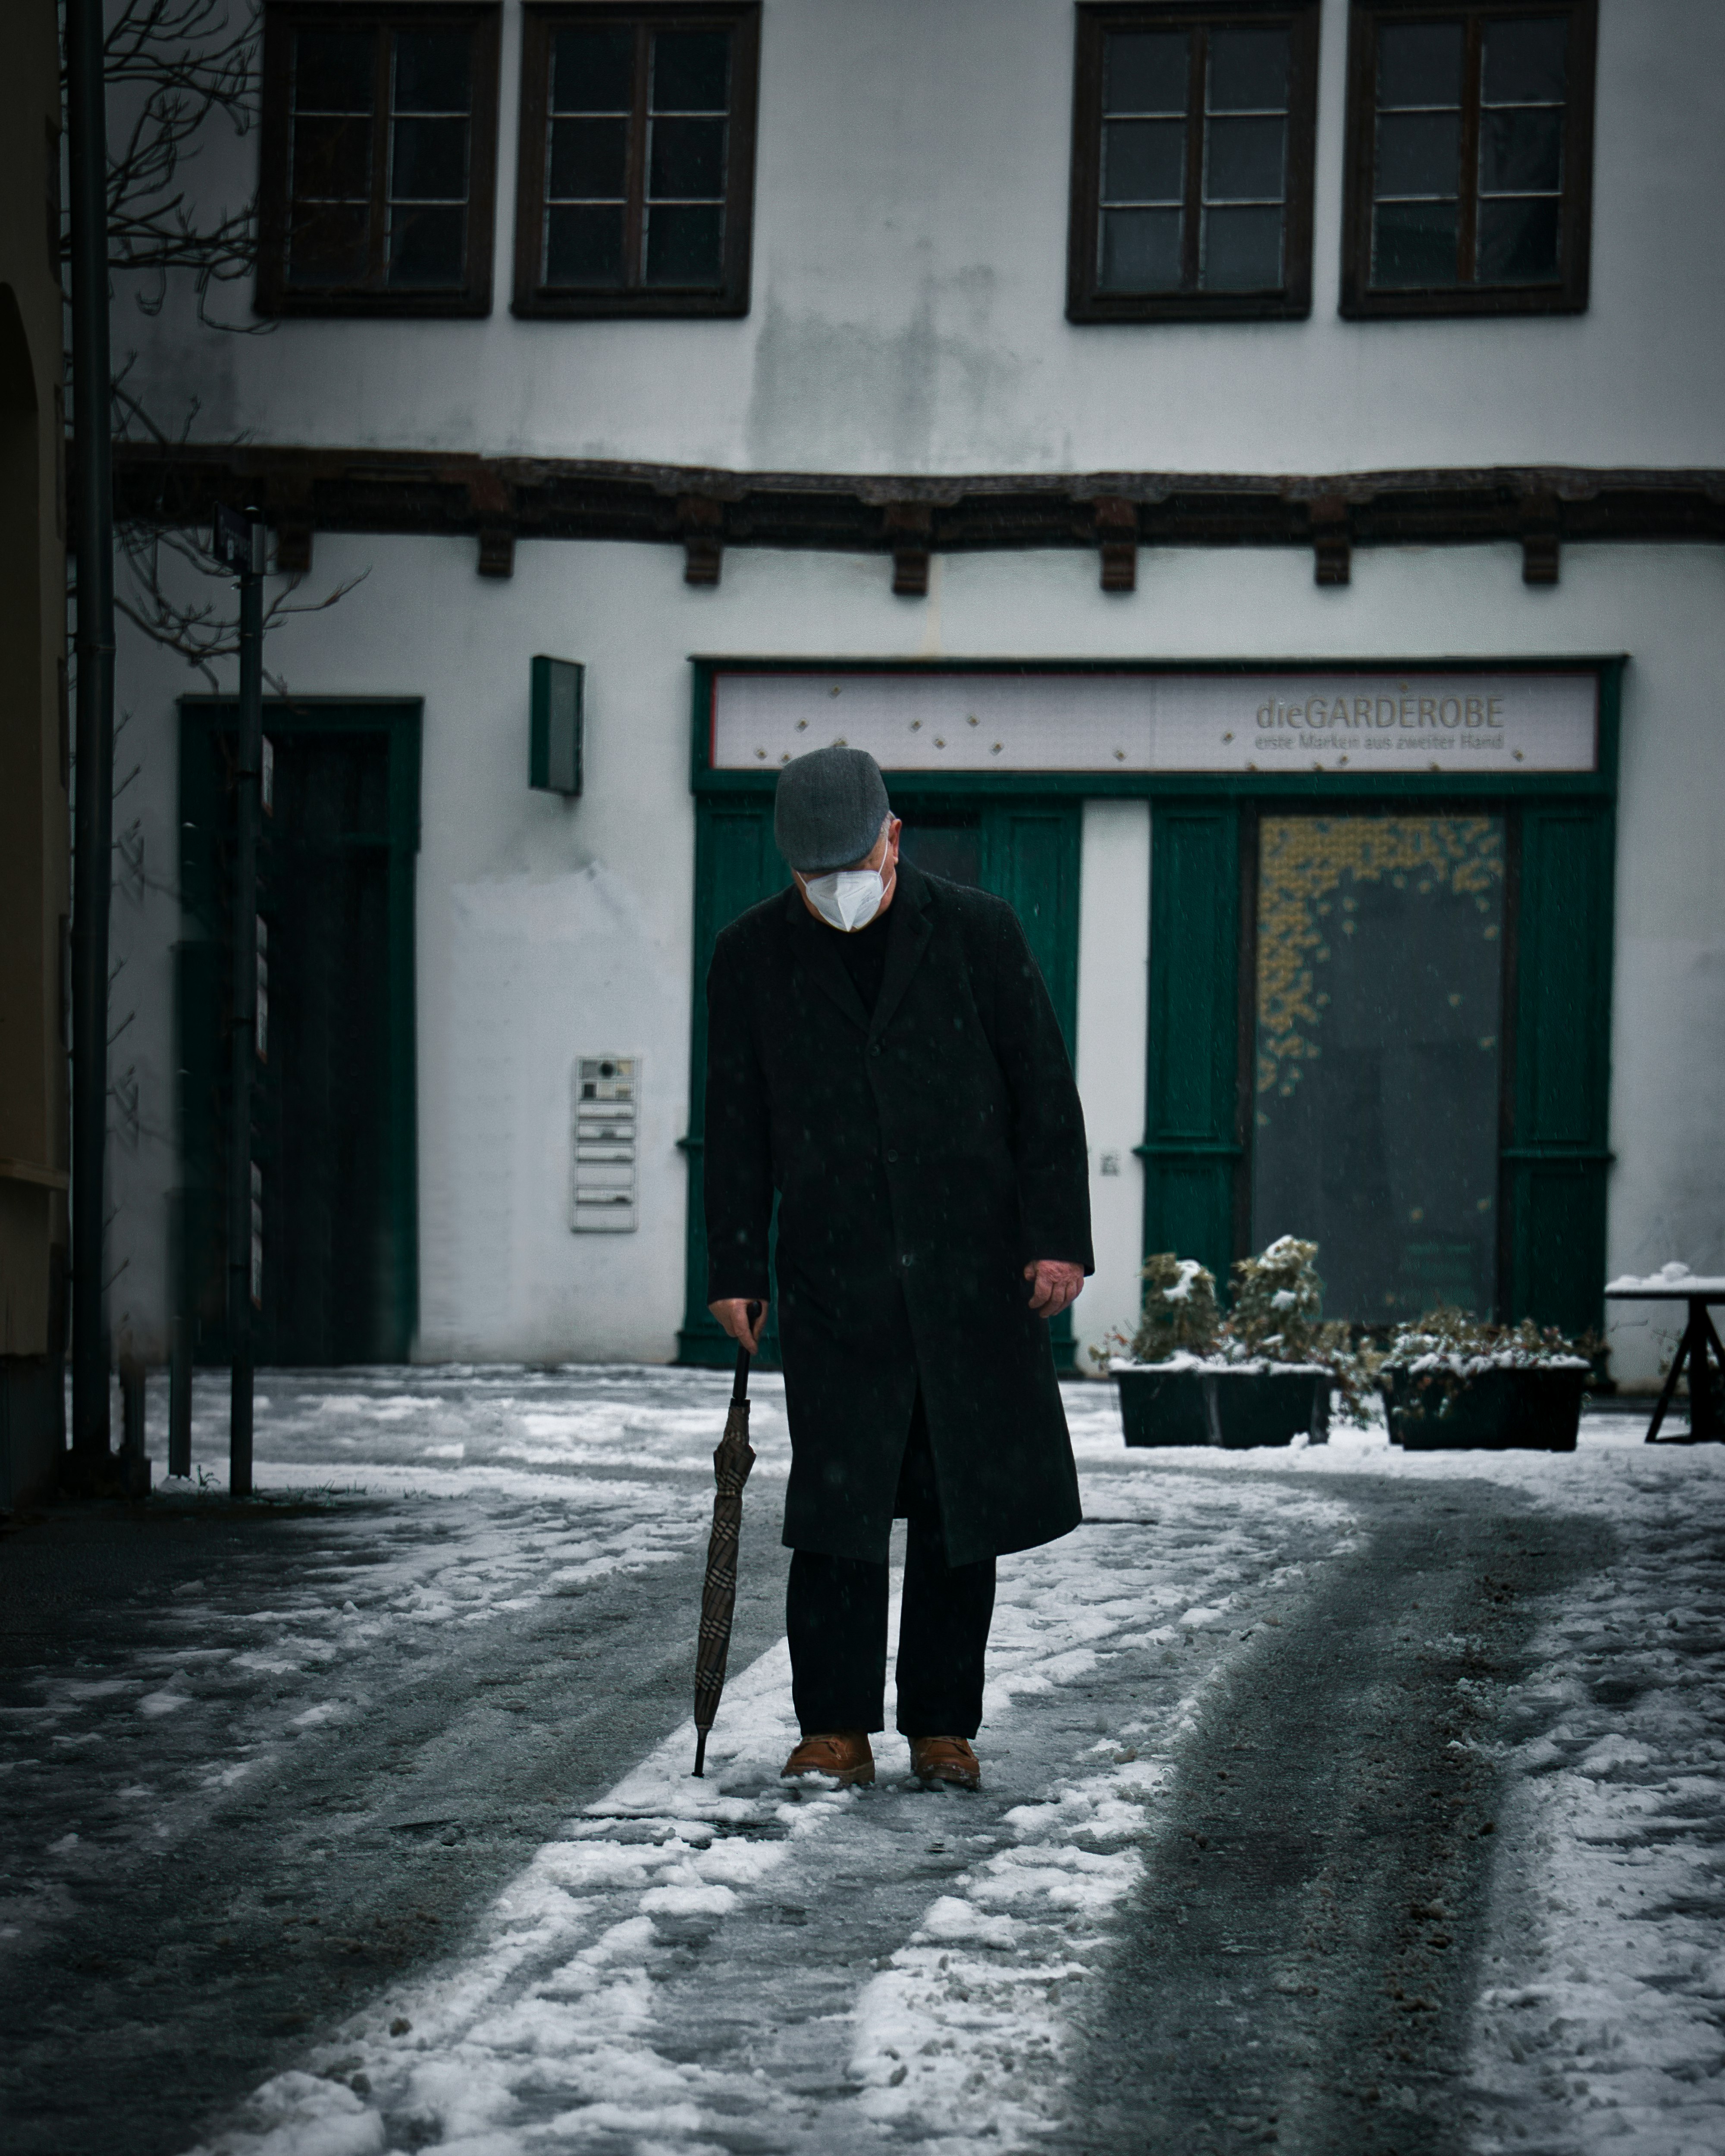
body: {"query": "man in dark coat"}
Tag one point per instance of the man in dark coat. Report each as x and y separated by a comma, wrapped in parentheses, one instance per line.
(883, 1057)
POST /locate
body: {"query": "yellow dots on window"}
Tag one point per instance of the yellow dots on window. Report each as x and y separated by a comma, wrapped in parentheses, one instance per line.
(1416, 1212)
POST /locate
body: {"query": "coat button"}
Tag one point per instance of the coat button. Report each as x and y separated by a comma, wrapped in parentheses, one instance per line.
(907, 1259)
(890, 1154)
(874, 1048)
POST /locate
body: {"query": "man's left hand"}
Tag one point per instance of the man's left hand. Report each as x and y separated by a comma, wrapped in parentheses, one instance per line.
(1056, 1285)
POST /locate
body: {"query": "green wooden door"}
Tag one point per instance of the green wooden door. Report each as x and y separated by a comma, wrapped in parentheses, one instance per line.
(1026, 851)
(1193, 1143)
(1556, 1160)
(333, 1124)
(736, 866)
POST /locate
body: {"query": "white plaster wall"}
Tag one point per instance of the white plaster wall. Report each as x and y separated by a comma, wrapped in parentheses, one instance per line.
(908, 299)
(547, 929)
(1113, 1004)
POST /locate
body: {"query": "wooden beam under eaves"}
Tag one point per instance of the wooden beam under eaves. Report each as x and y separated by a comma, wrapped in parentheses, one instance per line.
(499, 499)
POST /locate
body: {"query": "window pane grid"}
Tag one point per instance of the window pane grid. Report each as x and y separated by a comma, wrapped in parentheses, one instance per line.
(431, 98)
(1141, 224)
(1467, 150)
(1192, 160)
(688, 111)
(1245, 177)
(352, 225)
(1521, 154)
(637, 159)
(332, 92)
(590, 126)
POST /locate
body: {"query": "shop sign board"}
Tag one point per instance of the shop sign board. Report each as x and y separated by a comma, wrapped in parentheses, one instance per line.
(1339, 719)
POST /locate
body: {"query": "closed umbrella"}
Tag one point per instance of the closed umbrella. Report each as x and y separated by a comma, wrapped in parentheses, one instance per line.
(731, 1462)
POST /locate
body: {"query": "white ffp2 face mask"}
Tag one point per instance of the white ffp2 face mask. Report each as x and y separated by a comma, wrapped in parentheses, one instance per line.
(848, 899)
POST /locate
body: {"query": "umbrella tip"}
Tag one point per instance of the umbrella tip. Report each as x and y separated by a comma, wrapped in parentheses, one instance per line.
(700, 1755)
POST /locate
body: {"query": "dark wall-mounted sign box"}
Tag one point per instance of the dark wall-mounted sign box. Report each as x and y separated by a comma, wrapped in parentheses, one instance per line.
(555, 757)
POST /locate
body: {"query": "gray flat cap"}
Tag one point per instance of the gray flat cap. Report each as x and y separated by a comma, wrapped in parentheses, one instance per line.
(829, 809)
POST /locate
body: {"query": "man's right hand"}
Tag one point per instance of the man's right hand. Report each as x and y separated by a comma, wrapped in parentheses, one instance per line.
(733, 1314)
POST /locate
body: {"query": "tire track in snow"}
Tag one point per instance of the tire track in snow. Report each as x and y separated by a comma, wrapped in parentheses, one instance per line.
(732, 1965)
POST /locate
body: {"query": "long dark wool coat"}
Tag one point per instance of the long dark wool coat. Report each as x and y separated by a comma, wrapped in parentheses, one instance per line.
(920, 1160)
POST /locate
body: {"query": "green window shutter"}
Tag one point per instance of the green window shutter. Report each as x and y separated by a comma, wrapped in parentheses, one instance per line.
(737, 864)
(1191, 1150)
(1556, 1163)
(1032, 856)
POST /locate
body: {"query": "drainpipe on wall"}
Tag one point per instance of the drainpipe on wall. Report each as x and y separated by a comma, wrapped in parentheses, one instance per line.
(93, 818)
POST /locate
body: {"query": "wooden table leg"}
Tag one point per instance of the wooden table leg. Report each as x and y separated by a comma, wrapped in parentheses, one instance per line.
(1668, 1390)
(1700, 1353)
(1706, 1378)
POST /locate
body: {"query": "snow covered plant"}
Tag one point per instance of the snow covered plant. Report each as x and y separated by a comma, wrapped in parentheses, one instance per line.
(1277, 1316)
(1180, 1316)
(1442, 1350)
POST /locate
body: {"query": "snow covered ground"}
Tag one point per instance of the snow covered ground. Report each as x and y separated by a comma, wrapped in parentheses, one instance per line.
(728, 1964)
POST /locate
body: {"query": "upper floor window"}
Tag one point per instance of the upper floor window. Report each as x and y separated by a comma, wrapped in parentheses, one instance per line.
(637, 159)
(377, 187)
(1192, 147)
(1468, 158)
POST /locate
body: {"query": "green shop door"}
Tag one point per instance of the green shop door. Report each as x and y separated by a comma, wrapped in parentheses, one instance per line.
(1385, 1029)
(1025, 849)
(333, 1138)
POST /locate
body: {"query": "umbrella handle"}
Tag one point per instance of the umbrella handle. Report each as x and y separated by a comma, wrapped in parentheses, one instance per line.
(740, 1384)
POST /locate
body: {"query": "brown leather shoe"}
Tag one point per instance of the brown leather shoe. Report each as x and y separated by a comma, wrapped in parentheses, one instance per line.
(945, 1759)
(845, 1756)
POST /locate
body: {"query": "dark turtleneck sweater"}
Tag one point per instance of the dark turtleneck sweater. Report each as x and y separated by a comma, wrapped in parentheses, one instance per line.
(863, 951)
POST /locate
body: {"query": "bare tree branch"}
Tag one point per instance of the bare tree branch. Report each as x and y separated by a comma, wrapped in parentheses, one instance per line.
(175, 68)
(201, 630)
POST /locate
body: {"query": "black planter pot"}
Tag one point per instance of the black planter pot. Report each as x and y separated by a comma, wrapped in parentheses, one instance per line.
(1235, 1409)
(1532, 1410)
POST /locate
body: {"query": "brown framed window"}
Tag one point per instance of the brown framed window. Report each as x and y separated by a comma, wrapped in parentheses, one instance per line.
(636, 186)
(379, 156)
(1192, 149)
(1470, 158)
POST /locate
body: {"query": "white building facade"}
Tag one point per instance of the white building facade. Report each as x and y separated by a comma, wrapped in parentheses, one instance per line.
(1253, 475)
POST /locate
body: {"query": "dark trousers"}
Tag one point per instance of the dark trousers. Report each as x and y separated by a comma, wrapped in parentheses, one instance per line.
(835, 1615)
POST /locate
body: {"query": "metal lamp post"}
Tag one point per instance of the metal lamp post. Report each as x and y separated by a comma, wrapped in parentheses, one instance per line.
(93, 814)
(239, 543)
